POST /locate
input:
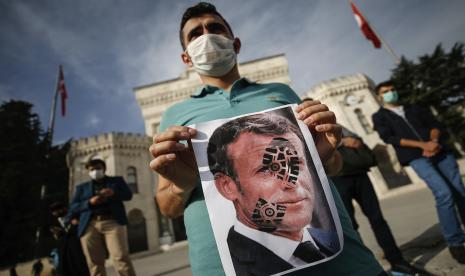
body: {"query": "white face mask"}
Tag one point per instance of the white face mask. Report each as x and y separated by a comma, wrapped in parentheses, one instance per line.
(212, 55)
(96, 174)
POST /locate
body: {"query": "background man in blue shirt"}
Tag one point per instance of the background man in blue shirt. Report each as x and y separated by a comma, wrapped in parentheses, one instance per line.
(102, 219)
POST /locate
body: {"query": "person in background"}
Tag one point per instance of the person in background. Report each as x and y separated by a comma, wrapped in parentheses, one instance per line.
(419, 142)
(352, 182)
(69, 258)
(37, 268)
(102, 219)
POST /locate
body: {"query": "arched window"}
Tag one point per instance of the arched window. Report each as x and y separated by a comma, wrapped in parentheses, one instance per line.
(132, 179)
(363, 121)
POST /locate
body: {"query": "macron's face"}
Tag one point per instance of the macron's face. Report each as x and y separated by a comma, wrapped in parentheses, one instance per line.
(276, 187)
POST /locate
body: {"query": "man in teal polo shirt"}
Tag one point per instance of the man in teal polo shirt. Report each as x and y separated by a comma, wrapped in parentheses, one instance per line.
(210, 47)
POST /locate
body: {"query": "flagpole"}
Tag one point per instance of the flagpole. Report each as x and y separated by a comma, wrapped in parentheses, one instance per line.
(51, 124)
(385, 45)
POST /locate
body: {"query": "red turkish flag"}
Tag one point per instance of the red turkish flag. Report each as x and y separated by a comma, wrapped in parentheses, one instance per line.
(365, 27)
(62, 90)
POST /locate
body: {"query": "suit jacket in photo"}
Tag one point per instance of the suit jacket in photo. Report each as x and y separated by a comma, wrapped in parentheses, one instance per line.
(80, 202)
(251, 258)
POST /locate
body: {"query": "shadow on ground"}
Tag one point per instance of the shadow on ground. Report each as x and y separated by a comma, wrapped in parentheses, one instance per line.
(424, 247)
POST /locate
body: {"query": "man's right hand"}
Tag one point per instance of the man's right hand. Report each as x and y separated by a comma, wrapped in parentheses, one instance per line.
(351, 142)
(431, 146)
(175, 161)
(96, 200)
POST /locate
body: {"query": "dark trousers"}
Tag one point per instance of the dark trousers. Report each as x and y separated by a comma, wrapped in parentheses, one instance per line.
(360, 188)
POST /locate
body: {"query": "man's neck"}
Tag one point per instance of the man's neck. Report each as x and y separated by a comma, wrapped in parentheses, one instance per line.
(224, 82)
(391, 105)
(99, 181)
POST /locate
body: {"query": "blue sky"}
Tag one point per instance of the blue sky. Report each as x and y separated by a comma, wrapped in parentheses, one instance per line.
(108, 47)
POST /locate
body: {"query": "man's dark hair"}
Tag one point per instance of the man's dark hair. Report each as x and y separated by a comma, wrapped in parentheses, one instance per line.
(383, 84)
(95, 162)
(196, 11)
(264, 124)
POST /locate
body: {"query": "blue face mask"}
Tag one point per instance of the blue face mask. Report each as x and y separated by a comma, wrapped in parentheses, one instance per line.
(391, 97)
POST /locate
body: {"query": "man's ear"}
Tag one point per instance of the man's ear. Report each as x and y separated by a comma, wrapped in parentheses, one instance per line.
(237, 45)
(226, 186)
(186, 59)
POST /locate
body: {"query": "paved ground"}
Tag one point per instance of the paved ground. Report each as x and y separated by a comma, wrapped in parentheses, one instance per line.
(413, 221)
(412, 218)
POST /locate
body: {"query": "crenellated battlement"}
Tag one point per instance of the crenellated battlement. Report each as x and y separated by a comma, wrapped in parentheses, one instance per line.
(340, 85)
(111, 140)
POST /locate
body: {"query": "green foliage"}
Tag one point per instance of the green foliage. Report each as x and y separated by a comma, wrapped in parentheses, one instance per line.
(27, 162)
(436, 80)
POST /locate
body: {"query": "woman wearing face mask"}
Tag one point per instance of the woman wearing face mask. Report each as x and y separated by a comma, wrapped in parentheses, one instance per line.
(418, 139)
(99, 205)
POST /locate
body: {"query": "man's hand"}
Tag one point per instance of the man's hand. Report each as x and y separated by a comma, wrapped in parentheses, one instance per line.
(96, 200)
(173, 160)
(106, 192)
(430, 148)
(351, 142)
(322, 124)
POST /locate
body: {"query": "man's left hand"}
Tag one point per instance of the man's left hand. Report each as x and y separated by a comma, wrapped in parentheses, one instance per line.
(322, 123)
(107, 192)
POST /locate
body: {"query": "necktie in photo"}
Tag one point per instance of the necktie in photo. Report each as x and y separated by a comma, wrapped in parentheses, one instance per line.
(308, 252)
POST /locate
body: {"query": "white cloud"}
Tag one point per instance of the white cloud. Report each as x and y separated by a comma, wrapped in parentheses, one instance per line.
(92, 121)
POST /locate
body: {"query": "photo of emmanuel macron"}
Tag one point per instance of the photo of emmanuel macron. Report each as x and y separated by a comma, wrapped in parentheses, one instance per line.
(261, 165)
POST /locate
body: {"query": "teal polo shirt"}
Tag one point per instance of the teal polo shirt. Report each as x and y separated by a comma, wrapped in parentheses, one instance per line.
(210, 103)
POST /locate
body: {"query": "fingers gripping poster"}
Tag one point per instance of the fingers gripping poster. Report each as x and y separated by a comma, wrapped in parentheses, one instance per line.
(267, 195)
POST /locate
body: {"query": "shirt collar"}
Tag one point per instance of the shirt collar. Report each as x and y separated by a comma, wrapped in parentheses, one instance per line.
(209, 89)
(281, 246)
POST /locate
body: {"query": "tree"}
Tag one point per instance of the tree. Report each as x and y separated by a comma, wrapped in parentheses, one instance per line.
(27, 162)
(438, 81)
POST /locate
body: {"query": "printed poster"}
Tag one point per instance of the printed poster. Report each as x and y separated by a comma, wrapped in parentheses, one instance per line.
(267, 195)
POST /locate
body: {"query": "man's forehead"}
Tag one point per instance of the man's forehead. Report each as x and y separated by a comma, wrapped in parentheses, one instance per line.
(386, 88)
(203, 18)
